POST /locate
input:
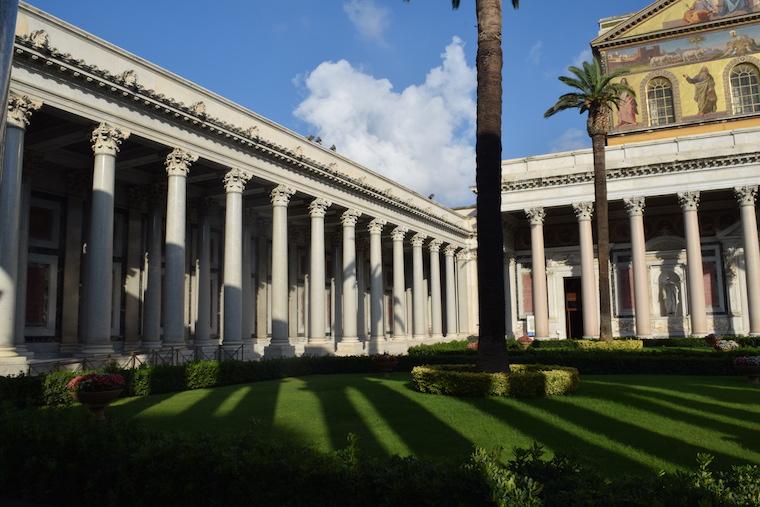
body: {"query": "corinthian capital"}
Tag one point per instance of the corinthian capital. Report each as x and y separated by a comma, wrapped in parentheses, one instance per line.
(536, 215)
(398, 233)
(634, 205)
(350, 217)
(450, 251)
(689, 201)
(20, 109)
(418, 240)
(318, 207)
(106, 139)
(178, 162)
(281, 195)
(435, 245)
(376, 226)
(583, 210)
(746, 195)
(235, 180)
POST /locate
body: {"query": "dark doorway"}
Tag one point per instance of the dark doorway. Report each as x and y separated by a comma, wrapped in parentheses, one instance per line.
(573, 308)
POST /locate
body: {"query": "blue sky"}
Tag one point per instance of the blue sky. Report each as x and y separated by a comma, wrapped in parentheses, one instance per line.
(390, 83)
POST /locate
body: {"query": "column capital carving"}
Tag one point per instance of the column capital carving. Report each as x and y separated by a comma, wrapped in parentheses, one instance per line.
(235, 180)
(376, 226)
(689, 201)
(463, 255)
(634, 206)
(106, 139)
(20, 109)
(435, 246)
(536, 215)
(450, 251)
(318, 207)
(418, 239)
(350, 217)
(178, 162)
(281, 195)
(398, 233)
(583, 210)
(746, 195)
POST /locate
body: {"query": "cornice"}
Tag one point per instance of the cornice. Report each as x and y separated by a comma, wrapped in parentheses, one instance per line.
(609, 39)
(642, 170)
(35, 50)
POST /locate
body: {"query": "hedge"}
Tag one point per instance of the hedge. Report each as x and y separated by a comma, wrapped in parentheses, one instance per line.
(51, 389)
(56, 457)
(522, 381)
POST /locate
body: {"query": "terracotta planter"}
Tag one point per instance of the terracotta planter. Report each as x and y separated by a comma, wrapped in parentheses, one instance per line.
(97, 401)
(752, 373)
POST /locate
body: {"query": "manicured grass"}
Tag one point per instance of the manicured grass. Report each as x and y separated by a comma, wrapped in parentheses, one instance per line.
(619, 423)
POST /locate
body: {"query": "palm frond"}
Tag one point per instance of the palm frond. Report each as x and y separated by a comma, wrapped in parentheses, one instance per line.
(567, 101)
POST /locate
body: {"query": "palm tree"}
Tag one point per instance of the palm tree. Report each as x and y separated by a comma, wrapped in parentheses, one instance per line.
(596, 94)
(492, 347)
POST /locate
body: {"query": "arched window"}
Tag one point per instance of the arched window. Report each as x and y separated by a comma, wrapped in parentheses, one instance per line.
(660, 102)
(745, 89)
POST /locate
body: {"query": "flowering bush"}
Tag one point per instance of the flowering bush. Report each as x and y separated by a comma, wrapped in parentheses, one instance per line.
(96, 382)
(525, 341)
(719, 344)
(472, 345)
(748, 361)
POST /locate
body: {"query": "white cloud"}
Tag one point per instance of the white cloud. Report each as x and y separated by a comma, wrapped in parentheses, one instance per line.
(369, 19)
(571, 139)
(583, 56)
(421, 137)
(536, 52)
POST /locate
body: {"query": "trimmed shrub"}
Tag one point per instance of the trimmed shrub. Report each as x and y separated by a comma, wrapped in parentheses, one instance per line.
(608, 345)
(54, 387)
(522, 381)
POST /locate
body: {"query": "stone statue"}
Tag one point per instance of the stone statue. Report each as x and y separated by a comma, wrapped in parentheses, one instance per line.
(670, 288)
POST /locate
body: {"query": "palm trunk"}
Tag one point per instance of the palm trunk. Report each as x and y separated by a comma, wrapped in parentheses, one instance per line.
(492, 349)
(602, 235)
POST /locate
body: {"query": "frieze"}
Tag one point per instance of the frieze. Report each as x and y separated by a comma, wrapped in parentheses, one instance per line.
(36, 47)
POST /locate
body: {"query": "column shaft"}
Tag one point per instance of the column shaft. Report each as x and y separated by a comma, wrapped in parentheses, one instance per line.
(540, 296)
(689, 203)
(419, 297)
(435, 290)
(399, 285)
(589, 288)
(349, 343)
(640, 272)
(377, 322)
(153, 290)
(247, 303)
(203, 320)
(318, 342)
(451, 295)
(280, 345)
(132, 283)
(746, 197)
(234, 184)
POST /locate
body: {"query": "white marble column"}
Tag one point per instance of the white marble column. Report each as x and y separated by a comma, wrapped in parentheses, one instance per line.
(451, 294)
(349, 343)
(463, 322)
(436, 313)
(540, 297)
(589, 289)
(746, 197)
(690, 203)
(419, 298)
(23, 266)
(96, 319)
(280, 345)
(262, 291)
(134, 268)
(234, 184)
(153, 289)
(399, 285)
(203, 319)
(318, 343)
(376, 316)
(635, 207)
(177, 167)
(20, 109)
(76, 186)
(248, 305)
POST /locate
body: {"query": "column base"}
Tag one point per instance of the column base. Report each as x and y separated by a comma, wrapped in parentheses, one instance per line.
(132, 347)
(376, 345)
(96, 349)
(319, 348)
(350, 346)
(259, 346)
(69, 349)
(151, 345)
(277, 350)
(397, 346)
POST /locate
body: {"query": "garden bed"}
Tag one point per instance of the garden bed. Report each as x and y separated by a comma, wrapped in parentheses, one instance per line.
(522, 381)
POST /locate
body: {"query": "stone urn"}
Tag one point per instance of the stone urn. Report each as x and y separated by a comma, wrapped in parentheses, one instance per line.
(385, 363)
(97, 401)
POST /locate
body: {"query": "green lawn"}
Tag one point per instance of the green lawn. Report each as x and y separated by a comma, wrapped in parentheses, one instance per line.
(618, 423)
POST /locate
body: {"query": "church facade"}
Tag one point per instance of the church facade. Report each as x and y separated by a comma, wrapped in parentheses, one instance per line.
(142, 215)
(684, 165)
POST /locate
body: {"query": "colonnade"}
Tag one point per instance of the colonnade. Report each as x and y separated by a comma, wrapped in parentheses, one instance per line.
(164, 323)
(689, 203)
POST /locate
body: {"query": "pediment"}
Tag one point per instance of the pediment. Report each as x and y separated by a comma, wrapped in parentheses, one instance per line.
(677, 15)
